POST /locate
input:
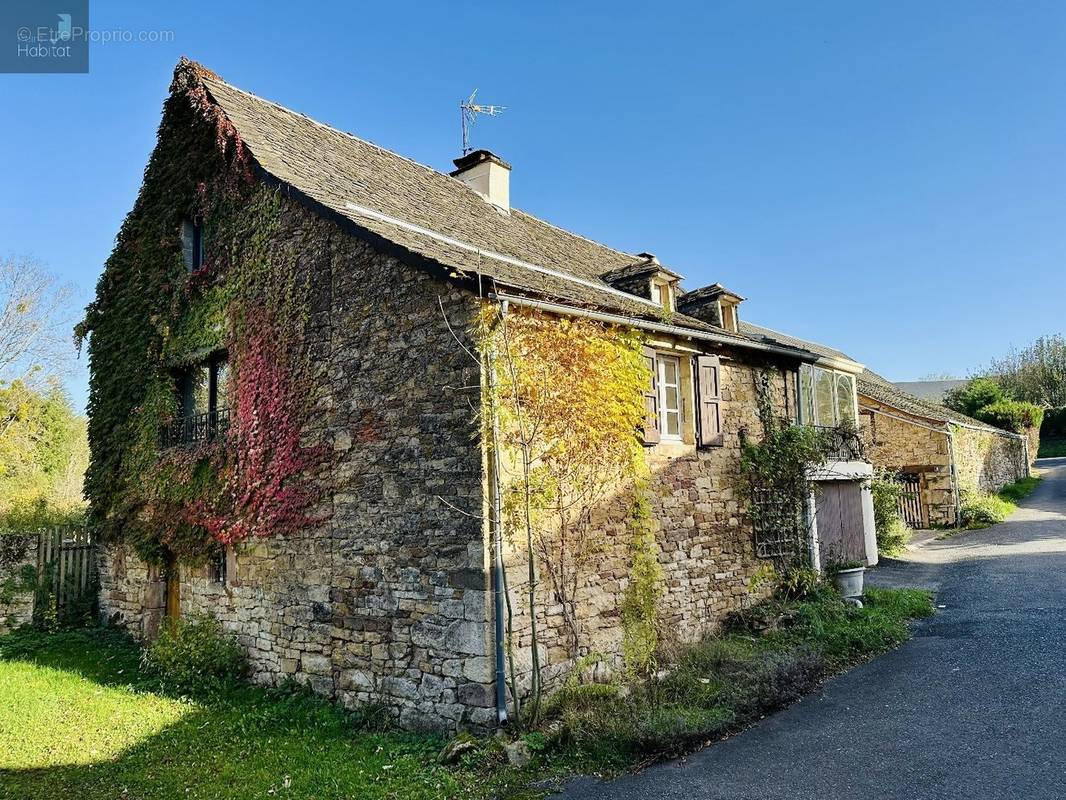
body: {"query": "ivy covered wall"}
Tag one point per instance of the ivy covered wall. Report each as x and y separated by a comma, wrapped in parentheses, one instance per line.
(350, 480)
(154, 317)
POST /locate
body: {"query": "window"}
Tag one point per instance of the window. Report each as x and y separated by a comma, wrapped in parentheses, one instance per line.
(662, 293)
(845, 398)
(203, 393)
(670, 397)
(826, 397)
(674, 381)
(729, 316)
(192, 244)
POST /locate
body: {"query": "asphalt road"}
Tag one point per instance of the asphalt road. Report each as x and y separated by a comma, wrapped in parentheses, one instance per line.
(974, 706)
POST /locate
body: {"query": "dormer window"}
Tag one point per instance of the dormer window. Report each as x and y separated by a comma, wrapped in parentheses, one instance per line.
(729, 316)
(662, 292)
(192, 243)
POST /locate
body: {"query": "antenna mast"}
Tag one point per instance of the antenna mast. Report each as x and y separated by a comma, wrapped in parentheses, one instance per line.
(468, 111)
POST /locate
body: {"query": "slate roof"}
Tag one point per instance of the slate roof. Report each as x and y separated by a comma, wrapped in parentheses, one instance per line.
(933, 391)
(876, 387)
(767, 335)
(429, 213)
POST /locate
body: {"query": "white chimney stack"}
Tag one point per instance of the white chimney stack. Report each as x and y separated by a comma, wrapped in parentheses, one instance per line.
(488, 175)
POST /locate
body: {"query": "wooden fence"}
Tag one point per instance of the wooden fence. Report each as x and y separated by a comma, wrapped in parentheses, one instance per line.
(66, 569)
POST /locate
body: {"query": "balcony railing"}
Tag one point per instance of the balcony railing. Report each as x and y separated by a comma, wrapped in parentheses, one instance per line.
(195, 428)
(842, 443)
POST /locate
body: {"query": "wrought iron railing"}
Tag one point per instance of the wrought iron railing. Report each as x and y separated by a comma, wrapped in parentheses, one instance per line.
(195, 428)
(843, 443)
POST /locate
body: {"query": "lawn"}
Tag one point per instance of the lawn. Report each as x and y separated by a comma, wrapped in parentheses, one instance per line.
(79, 719)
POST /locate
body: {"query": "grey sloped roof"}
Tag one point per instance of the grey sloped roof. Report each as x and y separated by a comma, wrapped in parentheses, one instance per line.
(759, 333)
(933, 391)
(874, 386)
(429, 213)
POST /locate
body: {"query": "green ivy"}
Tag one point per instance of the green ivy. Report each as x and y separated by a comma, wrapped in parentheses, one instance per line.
(151, 315)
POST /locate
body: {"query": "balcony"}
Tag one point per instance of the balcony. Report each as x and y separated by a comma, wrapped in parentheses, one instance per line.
(843, 443)
(195, 429)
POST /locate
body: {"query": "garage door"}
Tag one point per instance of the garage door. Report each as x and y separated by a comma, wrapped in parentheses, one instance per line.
(840, 527)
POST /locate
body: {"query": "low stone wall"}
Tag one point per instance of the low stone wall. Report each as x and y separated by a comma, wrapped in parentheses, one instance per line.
(987, 461)
(18, 579)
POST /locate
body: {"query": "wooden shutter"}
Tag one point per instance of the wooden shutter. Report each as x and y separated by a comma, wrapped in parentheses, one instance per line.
(651, 399)
(709, 403)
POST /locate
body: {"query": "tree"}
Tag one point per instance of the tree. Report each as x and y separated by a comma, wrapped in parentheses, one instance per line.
(985, 399)
(43, 455)
(1035, 374)
(35, 323)
(974, 396)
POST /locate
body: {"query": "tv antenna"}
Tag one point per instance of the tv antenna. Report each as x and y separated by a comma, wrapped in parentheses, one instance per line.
(469, 110)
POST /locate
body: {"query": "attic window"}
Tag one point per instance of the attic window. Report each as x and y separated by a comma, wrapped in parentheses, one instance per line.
(729, 317)
(662, 293)
(192, 243)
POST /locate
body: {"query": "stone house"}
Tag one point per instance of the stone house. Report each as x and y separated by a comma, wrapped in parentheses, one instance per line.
(386, 589)
(939, 454)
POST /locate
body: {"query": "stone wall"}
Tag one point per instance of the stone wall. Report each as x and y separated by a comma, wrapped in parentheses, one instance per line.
(18, 579)
(385, 600)
(902, 443)
(986, 460)
(706, 545)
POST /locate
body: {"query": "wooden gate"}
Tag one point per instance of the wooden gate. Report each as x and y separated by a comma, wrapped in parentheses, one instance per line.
(66, 570)
(910, 499)
(841, 533)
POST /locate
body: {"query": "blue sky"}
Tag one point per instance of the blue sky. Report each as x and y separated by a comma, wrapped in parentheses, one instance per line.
(888, 178)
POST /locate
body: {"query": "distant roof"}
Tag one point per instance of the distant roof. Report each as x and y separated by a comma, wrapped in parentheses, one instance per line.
(429, 213)
(874, 386)
(932, 391)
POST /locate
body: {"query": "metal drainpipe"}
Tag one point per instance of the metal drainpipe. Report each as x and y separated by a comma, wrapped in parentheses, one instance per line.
(954, 474)
(498, 598)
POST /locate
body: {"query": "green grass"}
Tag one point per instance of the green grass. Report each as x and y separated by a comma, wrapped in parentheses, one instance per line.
(1020, 489)
(1052, 448)
(80, 719)
(983, 511)
(774, 654)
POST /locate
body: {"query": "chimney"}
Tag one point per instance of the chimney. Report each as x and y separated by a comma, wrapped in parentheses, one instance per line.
(488, 175)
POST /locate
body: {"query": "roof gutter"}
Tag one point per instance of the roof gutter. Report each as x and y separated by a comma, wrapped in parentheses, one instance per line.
(656, 327)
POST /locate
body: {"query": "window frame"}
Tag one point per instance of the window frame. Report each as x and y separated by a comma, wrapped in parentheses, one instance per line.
(664, 410)
(192, 243)
(809, 407)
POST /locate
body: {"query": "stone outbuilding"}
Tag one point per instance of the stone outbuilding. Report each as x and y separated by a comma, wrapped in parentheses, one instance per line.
(389, 591)
(938, 454)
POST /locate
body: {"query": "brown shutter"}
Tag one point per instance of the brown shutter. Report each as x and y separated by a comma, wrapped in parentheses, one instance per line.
(709, 405)
(651, 399)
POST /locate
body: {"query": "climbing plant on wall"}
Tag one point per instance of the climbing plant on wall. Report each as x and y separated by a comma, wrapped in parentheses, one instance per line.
(775, 481)
(568, 399)
(151, 316)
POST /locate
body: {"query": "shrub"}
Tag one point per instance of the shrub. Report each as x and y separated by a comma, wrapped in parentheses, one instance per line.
(1011, 415)
(975, 395)
(979, 511)
(194, 656)
(892, 532)
(1053, 426)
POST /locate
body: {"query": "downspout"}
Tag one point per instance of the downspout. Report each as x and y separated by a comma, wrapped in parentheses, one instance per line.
(498, 582)
(954, 474)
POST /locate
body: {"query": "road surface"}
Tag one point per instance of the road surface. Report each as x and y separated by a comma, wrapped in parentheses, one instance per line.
(973, 706)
